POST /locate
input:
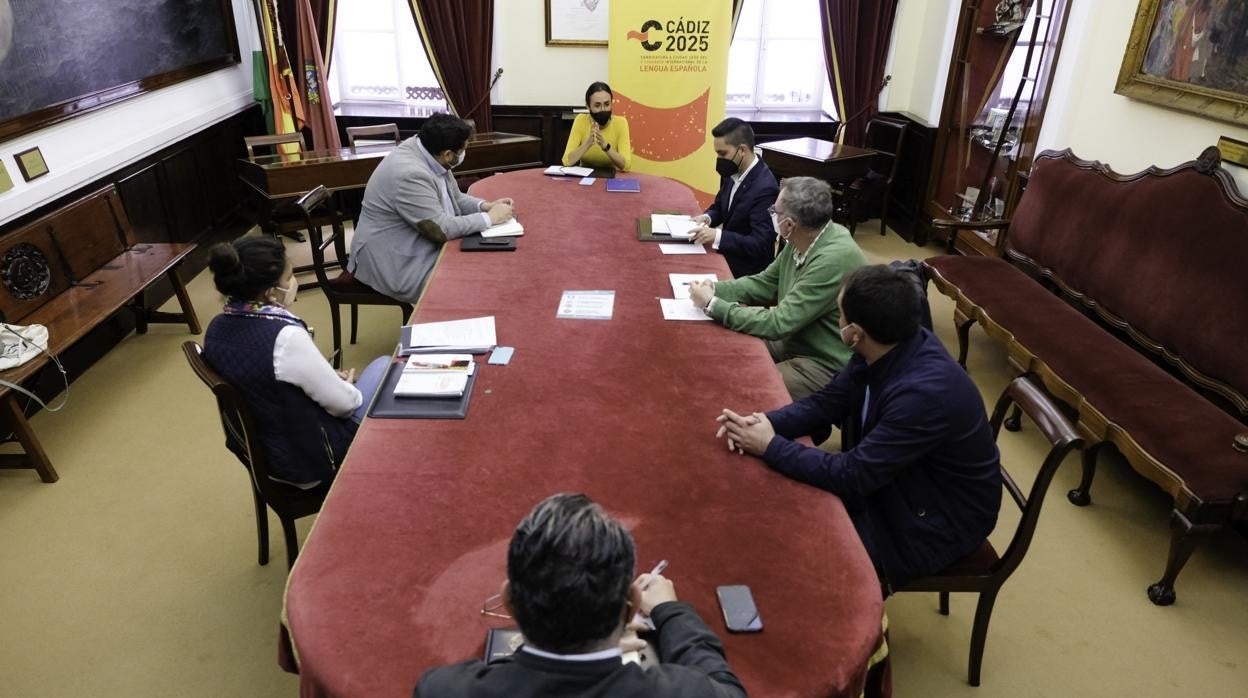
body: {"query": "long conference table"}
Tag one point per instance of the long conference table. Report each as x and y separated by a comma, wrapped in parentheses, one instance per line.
(413, 536)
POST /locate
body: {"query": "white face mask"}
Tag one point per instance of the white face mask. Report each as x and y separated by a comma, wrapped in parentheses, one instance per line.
(775, 224)
(288, 294)
(459, 159)
(843, 339)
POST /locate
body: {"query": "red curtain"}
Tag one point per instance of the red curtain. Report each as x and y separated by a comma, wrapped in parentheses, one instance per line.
(856, 37)
(459, 39)
(306, 33)
(312, 76)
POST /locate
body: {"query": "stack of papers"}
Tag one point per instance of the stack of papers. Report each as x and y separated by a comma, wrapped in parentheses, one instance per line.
(674, 225)
(680, 282)
(557, 171)
(435, 375)
(472, 336)
(511, 227)
(680, 248)
(431, 384)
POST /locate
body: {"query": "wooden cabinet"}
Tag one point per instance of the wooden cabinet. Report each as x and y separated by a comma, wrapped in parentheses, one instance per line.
(999, 76)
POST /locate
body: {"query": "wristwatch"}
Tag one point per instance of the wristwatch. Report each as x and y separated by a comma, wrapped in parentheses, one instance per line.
(709, 304)
(606, 147)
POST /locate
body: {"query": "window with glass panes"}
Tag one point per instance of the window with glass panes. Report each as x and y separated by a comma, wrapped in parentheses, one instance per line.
(379, 57)
(776, 59)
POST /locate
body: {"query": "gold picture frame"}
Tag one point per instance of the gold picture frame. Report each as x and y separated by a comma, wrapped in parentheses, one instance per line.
(31, 164)
(1171, 61)
(577, 22)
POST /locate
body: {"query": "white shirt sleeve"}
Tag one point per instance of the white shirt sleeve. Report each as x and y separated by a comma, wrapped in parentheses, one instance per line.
(718, 232)
(297, 361)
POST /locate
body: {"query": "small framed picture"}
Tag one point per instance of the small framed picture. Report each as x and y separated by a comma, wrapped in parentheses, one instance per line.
(576, 22)
(31, 164)
(6, 182)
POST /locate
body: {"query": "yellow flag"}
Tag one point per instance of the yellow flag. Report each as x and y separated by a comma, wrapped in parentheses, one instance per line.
(668, 68)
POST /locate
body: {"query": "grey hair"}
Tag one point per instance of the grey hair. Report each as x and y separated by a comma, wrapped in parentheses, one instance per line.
(808, 201)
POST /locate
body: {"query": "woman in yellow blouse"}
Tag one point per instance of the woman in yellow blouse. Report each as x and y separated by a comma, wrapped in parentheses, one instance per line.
(599, 139)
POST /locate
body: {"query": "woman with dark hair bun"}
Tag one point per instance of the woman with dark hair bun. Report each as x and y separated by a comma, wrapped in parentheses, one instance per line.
(306, 411)
(599, 139)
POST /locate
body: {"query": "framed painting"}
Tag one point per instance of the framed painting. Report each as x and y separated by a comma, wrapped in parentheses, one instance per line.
(576, 22)
(1190, 55)
(61, 58)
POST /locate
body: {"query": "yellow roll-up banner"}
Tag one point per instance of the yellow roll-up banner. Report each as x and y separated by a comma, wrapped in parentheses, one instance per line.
(668, 68)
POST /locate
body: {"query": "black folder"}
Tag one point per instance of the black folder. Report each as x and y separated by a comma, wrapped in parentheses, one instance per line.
(387, 406)
(476, 243)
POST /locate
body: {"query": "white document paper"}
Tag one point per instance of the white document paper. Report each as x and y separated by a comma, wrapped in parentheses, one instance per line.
(681, 309)
(675, 225)
(431, 384)
(440, 363)
(509, 228)
(680, 248)
(470, 335)
(569, 171)
(680, 282)
(588, 181)
(586, 305)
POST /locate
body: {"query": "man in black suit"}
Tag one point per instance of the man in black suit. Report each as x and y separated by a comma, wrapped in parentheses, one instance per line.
(568, 587)
(738, 224)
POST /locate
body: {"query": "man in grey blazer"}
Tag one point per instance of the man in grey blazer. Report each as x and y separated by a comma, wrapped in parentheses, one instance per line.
(412, 184)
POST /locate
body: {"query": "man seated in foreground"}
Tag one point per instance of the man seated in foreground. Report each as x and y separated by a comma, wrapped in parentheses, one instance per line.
(919, 471)
(568, 587)
(414, 183)
(792, 303)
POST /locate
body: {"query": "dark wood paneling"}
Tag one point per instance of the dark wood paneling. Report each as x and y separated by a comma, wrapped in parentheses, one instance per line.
(140, 194)
(188, 215)
(905, 207)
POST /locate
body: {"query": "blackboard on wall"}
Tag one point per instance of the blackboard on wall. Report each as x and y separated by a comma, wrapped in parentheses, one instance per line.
(60, 58)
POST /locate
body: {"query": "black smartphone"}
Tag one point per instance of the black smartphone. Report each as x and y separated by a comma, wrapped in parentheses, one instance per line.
(740, 613)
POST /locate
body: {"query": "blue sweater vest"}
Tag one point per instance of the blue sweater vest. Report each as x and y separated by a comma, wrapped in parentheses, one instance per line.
(303, 442)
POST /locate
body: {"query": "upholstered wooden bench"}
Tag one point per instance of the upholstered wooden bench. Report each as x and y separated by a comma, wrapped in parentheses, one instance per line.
(1128, 297)
(70, 271)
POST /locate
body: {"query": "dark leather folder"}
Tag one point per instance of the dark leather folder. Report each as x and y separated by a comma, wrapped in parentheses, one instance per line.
(476, 243)
(646, 234)
(387, 406)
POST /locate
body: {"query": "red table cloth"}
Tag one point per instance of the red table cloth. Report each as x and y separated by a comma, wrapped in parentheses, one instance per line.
(413, 536)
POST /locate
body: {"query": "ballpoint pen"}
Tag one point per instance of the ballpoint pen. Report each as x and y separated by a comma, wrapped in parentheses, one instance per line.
(658, 569)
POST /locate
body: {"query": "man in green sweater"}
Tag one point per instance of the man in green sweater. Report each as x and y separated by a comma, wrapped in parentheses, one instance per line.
(792, 303)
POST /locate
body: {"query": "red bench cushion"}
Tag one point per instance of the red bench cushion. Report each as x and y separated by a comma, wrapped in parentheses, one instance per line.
(1163, 250)
(1166, 418)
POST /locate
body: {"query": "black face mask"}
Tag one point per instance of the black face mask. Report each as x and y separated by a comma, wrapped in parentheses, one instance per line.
(602, 117)
(725, 167)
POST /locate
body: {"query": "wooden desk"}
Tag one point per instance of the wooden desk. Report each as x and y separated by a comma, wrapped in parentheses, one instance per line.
(811, 157)
(413, 536)
(288, 175)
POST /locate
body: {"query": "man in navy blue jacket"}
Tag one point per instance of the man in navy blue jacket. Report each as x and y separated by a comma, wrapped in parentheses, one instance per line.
(919, 471)
(737, 224)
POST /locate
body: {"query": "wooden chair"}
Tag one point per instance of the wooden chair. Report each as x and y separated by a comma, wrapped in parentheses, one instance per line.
(391, 131)
(342, 289)
(984, 572)
(273, 142)
(242, 439)
(272, 215)
(886, 137)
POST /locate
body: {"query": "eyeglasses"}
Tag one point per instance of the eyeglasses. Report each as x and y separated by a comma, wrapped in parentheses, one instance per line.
(773, 211)
(492, 607)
